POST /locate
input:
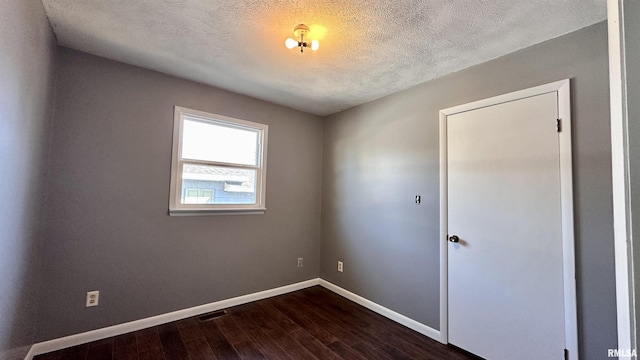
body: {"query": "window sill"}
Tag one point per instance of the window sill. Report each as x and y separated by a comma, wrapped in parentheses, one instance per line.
(207, 212)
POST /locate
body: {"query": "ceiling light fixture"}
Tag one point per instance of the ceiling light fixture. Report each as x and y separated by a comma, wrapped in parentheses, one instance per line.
(300, 32)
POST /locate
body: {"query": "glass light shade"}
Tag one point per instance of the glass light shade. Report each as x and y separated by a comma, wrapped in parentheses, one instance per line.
(291, 43)
(315, 45)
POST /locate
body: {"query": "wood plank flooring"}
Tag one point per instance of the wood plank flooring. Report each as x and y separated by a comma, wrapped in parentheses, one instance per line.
(313, 324)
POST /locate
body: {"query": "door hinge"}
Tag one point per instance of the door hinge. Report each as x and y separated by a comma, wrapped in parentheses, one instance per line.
(559, 125)
(566, 354)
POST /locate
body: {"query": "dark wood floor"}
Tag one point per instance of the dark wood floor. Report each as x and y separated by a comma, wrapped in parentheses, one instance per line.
(313, 323)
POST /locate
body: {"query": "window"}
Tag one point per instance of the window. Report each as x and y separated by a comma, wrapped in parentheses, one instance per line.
(218, 165)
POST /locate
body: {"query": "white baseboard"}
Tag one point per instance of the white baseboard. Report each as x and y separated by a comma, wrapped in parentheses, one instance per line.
(30, 354)
(388, 313)
(98, 334)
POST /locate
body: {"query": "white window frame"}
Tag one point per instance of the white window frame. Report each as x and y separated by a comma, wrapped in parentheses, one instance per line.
(176, 208)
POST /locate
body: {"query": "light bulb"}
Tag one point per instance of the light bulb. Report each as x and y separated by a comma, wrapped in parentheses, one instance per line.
(315, 45)
(290, 43)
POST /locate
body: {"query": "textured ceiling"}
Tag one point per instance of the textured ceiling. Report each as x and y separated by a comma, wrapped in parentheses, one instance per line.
(368, 49)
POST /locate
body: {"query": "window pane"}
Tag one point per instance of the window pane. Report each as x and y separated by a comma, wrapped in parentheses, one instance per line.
(215, 142)
(203, 184)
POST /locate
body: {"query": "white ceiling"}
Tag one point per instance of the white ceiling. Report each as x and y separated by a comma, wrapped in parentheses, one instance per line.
(368, 49)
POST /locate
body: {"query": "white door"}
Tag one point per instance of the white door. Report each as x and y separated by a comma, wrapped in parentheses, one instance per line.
(505, 274)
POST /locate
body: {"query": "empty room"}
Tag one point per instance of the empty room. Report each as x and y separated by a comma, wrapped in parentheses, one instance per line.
(208, 179)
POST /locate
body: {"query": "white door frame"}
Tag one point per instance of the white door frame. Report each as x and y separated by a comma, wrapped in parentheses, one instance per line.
(623, 239)
(566, 193)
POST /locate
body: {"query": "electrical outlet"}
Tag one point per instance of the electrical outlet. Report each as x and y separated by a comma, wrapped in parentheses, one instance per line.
(92, 298)
(299, 262)
(340, 266)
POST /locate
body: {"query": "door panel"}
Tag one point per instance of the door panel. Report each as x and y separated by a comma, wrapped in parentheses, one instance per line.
(505, 275)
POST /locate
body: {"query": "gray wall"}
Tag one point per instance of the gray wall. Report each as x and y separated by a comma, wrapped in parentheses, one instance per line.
(27, 59)
(632, 48)
(107, 223)
(378, 156)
